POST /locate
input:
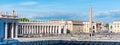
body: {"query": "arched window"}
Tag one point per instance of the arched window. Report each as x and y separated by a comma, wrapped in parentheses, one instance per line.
(93, 27)
(111, 27)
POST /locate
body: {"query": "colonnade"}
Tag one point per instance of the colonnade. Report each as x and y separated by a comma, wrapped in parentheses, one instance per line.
(41, 29)
(11, 30)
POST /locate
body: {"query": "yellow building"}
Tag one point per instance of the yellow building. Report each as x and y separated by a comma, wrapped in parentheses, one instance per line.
(86, 27)
(76, 26)
(73, 26)
(115, 26)
(96, 27)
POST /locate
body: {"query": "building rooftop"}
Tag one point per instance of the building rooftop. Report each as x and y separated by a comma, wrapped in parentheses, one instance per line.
(73, 21)
(8, 16)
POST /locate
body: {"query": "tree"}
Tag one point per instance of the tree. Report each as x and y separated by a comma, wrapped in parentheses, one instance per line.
(23, 19)
(107, 25)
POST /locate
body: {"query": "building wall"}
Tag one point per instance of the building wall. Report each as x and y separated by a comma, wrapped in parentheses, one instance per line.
(86, 27)
(95, 26)
(115, 26)
(111, 27)
(77, 28)
(70, 27)
(74, 26)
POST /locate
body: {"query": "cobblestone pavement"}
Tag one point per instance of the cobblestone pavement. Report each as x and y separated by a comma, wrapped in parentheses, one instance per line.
(80, 37)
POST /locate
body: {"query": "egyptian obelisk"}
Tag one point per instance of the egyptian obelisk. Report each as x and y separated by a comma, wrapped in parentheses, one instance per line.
(90, 20)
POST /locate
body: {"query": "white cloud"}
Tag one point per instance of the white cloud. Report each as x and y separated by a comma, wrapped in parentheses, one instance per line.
(28, 3)
(107, 16)
(41, 11)
(107, 12)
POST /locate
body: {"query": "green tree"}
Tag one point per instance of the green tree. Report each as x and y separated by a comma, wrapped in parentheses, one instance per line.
(23, 19)
(107, 25)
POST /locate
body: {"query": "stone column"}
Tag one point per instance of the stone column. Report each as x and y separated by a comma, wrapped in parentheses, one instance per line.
(38, 29)
(12, 31)
(22, 29)
(27, 29)
(56, 29)
(6, 29)
(32, 29)
(41, 29)
(35, 29)
(16, 36)
(45, 29)
(37, 32)
(59, 31)
(65, 29)
(50, 30)
(53, 29)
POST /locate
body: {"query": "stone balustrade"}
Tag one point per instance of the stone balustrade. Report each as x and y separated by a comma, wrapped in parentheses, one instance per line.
(8, 16)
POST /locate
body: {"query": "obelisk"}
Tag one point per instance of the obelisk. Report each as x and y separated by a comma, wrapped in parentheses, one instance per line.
(90, 20)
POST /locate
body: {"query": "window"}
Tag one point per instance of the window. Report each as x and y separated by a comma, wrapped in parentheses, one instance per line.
(93, 27)
(111, 27)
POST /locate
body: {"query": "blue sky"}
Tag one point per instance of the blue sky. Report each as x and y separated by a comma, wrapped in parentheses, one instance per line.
(103, 10)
